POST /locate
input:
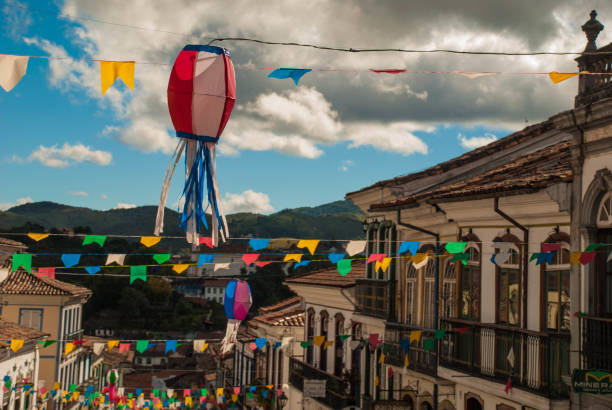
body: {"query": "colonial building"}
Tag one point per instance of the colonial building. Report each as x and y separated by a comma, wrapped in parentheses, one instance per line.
(55, 308)
(506, 323)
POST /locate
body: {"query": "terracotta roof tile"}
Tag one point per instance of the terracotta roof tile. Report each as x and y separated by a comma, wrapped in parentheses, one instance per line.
(10, 330)
(21, 282)
(331, 277)
(282, 304)
(11, 243)
(529, 173)
(291, 317)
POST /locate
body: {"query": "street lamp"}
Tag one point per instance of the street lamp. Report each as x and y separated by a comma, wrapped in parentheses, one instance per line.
(282, 400)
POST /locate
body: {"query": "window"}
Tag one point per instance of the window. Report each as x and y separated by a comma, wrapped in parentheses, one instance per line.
(558, 291)
(470, 285)
(322, 351)
(509, 290)
(604, 218)
(339, 346)
(31, 318)
(411, 277)
(449, 291)
(429, 302)
(309, 335)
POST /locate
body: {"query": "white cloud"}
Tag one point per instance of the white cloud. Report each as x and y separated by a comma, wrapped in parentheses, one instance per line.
(476, 142)
(69, 154)
(19, 201)
(345, 165)
(247, 201)
(103, 196)
(394, 137)
(121, 205)
(17, 19)
(78, 193)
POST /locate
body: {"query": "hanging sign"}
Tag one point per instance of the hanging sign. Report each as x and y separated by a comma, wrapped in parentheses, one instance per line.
(591, 381)
(314, 388)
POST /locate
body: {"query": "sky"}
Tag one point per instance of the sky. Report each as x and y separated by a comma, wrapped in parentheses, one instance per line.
(285, 145)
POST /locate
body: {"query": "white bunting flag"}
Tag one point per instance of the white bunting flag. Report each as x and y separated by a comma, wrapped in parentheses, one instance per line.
(504, 252)
(98, 348)
(609, 257)
(12, 70)
(219, 266)
(355, 247)
(510, 357)
(118, 258)
(198, 345)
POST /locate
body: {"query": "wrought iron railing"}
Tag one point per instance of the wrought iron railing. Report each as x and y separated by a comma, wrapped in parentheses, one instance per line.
(540, 359)
(372, 297)
(418, 358)
(337, 390)
(596, 345)
(593, 88)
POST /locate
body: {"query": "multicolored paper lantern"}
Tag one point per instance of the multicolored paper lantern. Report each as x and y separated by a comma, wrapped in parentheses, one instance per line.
(237, 303)
(201, 96)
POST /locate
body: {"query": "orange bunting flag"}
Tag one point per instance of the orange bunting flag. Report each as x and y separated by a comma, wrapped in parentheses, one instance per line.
(318, 340)
(180, 268)
(112, 344)
(557, 77)
(16, 344)
(149, 241)
(310, 244)
(111, 70)
(415, 335)
(575, 258)
(384, 264)
(376, 381)
(406, 361)
(38, 236)
(297, 257)
(69, 348)
(381, 359)
(327, 344)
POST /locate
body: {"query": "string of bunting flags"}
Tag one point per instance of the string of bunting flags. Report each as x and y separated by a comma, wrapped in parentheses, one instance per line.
(455, 250)
(14, 67)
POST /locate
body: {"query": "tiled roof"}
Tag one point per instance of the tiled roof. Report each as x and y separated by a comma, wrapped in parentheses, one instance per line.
(501, 144)
(216, 283)
(12, 243)
(10, 330)
(282, 304)
(291, 317)
(331, 277)
(21, 282)
(526, 174)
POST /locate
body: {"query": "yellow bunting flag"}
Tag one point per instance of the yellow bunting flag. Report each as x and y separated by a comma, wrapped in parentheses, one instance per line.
(16, 344)
(415, 335)
(327, 344)
(557, 77)
(234, 397)
(149, 241)
(318, 340)
(376, 381)
(180, 268)
(406, 361)
(575, 258)
(219, 391)
(204, 347)
(110, 70)
(112, 344)
(382, 265)
(310, 244)
(38, 236)
(269, 386)
(381, 359)
(56, 385)
(69, 348)
(293, 257)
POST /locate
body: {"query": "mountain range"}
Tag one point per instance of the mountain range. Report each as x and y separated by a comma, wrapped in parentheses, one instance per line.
(334, 220)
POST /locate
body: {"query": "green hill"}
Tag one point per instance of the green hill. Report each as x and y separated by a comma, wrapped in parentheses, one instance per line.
(336, 220)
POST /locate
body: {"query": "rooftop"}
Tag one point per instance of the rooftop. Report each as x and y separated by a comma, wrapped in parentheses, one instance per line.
(526, 174)
(290, 317)
(10, 330)
(282, 304)
(21, 282)
(331, 277)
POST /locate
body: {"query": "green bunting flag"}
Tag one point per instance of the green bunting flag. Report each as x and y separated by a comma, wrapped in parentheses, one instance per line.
(161, 257)
(99, 239)
(344, 266)
(455, 247)
(22, 260)
(138, 272)
(344, 337)
(142, 345)
(428, 344)
(534, 256)
(463, 257)
(305, 344)
(440, 334)
(594, 246)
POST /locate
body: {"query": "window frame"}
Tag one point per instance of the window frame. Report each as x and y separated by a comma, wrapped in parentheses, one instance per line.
(30, 310)
(515, 249)
(474, 264)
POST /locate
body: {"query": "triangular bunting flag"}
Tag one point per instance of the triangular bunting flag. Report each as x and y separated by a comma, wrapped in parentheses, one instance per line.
(138, 272)
(409, 246)
(355, 247)
(117, 258)
(344, 266)
(180, 268)
(99, 239)
(22, 260)
(111, 70)
(38, 236)
(161, 258)
(293, 257)
(112, 344)
(149, 241)
(258, 244)
(249, 258)
(310, 244)
(12, 70)
(71, 259)
(50, 272)
(205, 258)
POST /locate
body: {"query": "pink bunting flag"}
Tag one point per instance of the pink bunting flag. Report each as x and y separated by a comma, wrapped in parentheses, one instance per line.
(550, 247)
(236, 390)
(50, 272)
(374, 340)
(376, 257)
(390, 373)
(392, 71)
(124, 347)
(587, 257)
(206, 241)
(249, 258)
(261, 264)
(253, 346)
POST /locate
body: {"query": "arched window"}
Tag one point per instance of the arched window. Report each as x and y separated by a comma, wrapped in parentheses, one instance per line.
(429, 293)
(604, 213)
(339, 346)
(449, 291)
(310, 330)
(411, 286)
(324, 332)
(470, 282)
(557, 285)
(508, 283)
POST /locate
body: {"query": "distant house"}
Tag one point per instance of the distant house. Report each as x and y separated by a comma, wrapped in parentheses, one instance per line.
(21, 367)
(9, 247)
(214, 289)
(53, 307)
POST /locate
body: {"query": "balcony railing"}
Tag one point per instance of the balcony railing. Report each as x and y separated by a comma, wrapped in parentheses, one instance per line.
(596, 342)
(337, 394)
(419, 360)
(593, 88)
(540, 359)
(372, 297)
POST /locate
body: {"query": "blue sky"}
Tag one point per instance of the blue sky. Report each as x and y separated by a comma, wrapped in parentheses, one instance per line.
(285, 146)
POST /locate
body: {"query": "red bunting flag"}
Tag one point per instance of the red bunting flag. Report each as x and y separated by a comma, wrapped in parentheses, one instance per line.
(249, 258)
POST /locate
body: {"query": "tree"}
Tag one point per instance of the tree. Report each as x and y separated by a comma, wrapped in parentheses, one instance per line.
(133, 303)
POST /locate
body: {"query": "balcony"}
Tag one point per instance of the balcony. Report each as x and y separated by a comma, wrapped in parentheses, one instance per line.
(419, 360)
(372, 297)
(337, 390)
(541, 359)
(596, 342)
(592, 88)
